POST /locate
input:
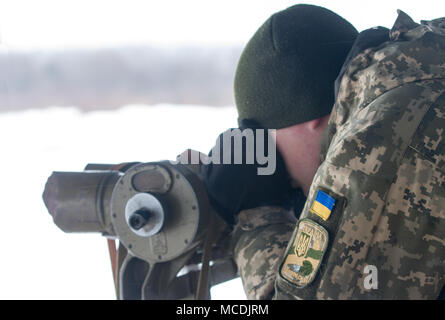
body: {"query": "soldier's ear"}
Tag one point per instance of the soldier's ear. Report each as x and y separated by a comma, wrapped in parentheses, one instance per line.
(313, 124)
(316, 124)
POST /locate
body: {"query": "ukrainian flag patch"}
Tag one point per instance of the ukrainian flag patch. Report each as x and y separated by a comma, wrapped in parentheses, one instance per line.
(323, 205)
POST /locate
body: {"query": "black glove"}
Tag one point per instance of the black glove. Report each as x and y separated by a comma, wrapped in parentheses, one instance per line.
(235, 187)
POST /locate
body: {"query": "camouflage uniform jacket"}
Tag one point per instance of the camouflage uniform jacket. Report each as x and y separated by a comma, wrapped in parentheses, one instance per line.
(381, 184)
(381, 180)
(260, 239)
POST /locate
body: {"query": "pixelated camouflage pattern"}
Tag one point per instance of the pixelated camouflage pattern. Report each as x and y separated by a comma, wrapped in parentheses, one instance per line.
(386, 157)
(260, 238)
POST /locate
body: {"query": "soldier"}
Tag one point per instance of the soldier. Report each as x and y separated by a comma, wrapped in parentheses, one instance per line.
(285, 78)
(373, 224)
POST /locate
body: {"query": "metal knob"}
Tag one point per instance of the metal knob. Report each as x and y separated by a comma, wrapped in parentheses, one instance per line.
(139, 218)
(144, 214)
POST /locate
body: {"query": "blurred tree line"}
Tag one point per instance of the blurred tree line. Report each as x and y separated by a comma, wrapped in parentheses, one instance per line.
(109, 78)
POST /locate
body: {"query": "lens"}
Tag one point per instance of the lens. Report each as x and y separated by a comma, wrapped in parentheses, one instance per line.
(79, 201)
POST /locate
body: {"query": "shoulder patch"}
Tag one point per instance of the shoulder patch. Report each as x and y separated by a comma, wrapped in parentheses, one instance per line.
(323, 205)
(304, 256)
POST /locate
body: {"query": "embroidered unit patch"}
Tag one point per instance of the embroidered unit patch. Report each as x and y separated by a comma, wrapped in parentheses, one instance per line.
(304, 257)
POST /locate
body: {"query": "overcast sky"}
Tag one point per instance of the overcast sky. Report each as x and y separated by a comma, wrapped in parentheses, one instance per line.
(80, 23)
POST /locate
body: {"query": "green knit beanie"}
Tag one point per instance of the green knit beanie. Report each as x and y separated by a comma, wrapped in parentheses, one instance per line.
(287, 70)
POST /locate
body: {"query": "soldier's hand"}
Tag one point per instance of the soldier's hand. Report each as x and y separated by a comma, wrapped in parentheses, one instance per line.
(235, 187)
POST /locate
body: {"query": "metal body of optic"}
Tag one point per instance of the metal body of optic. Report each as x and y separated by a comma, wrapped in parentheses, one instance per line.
(160, 214)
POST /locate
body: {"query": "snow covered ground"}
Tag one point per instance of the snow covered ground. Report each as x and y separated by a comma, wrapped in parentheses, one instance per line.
(39, 261)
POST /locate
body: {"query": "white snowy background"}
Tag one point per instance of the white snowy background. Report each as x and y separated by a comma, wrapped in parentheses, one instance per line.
(37, 260)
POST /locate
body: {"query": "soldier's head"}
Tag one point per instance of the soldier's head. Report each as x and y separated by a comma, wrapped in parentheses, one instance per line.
(285, 80)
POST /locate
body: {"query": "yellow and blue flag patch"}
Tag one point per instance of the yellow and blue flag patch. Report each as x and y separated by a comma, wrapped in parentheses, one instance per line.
(323, 205)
